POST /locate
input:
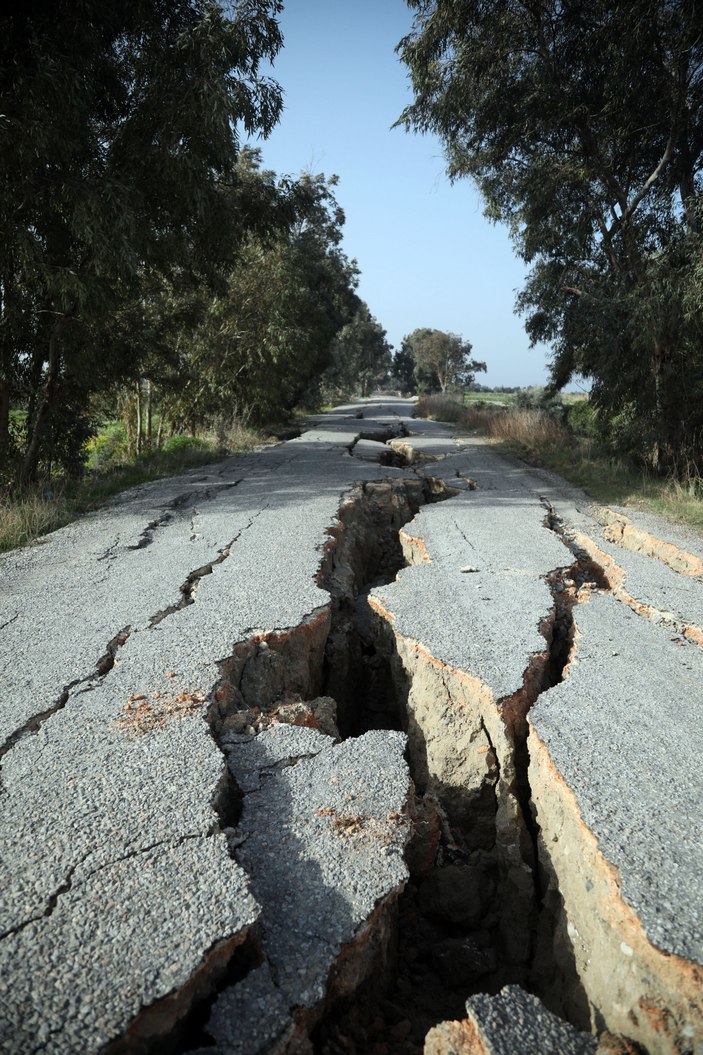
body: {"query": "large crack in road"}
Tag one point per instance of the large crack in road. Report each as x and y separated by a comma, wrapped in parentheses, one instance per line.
(278, 877)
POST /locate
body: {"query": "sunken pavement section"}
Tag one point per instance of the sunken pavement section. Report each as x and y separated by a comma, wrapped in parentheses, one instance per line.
(247, 711)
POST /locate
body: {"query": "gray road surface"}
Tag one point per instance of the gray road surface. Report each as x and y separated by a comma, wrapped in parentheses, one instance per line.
(118, 878)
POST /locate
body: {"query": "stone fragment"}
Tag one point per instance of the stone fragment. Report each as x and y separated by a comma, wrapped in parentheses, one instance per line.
(511, 1023)
(453, 1038)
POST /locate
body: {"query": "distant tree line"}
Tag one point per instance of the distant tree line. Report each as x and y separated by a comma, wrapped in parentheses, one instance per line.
(149, 267)
(582, 124)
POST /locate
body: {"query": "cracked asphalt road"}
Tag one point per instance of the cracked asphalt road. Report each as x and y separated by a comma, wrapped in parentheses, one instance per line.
(116, 877)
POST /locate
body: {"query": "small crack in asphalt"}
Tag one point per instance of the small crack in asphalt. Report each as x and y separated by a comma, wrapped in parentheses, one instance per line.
(147, 536)
(67, 884)
(102, 667)
(463, 535)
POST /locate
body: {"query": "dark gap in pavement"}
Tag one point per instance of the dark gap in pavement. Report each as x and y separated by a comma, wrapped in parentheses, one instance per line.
(444, 945)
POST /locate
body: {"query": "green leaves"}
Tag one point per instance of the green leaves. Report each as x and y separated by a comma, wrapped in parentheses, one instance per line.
(267, 337)
(442, 360)
(583, 126)
(118, 175)
(361, 358)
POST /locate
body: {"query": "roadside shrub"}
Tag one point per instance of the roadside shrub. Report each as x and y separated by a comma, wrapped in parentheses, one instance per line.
(25, 518)
(536, 429)
(628, 436)
(440, 408)
(539, 398)
(181, 444)
(587, 452)
(581, 419)
(107, 448)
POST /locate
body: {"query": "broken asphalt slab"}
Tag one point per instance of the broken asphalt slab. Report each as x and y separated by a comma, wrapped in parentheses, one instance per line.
(126, 759)
(149, 841)
(511, 1021)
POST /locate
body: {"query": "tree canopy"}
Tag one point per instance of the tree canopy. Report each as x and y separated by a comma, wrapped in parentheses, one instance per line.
(269, 333)
(441, 360)
(360, 357)
(118, 148)
(582, 124)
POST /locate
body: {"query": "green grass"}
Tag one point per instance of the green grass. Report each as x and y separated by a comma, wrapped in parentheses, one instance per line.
(50, 505)
(541, 440)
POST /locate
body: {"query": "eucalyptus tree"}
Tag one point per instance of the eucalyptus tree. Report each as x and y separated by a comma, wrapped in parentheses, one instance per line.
(403, 370)
(442, 360)
(582, 124)
(361, 357)
(119, 138)
(267, 337)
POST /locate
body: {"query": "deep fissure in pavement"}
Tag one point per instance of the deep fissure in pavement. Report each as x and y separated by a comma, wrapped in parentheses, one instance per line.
(467, 918)
(438, 951)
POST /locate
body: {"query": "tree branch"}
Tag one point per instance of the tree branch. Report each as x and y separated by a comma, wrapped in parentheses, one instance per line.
(651, 180)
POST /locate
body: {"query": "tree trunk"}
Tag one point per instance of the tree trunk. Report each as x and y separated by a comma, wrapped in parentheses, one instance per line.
(148, 414)
(160, 430)
(668, 445)
(126, 403)
(138, 436)
(35, 375)
(4, 407)
(28, 469)
(4, 424)
(4, 386)
(658, 452)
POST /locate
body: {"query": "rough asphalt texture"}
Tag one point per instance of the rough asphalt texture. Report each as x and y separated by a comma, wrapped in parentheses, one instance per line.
(629, 746)
(489, 553)
(116, 877)
(625, 728)
(323, 842)
(514, 1021)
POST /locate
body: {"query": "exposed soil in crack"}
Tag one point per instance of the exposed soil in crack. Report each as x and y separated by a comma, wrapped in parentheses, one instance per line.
(608, 575)
(451, 934)
(451, 923)
(623, 532)
(107, 662)
(447, 943)
(176, 1022)
(292, 675)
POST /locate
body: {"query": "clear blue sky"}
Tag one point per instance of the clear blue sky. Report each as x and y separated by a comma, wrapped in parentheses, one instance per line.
(427, 255)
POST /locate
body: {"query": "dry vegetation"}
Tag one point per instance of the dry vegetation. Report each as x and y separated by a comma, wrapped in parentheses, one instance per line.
(52, 503)
(542, 439)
